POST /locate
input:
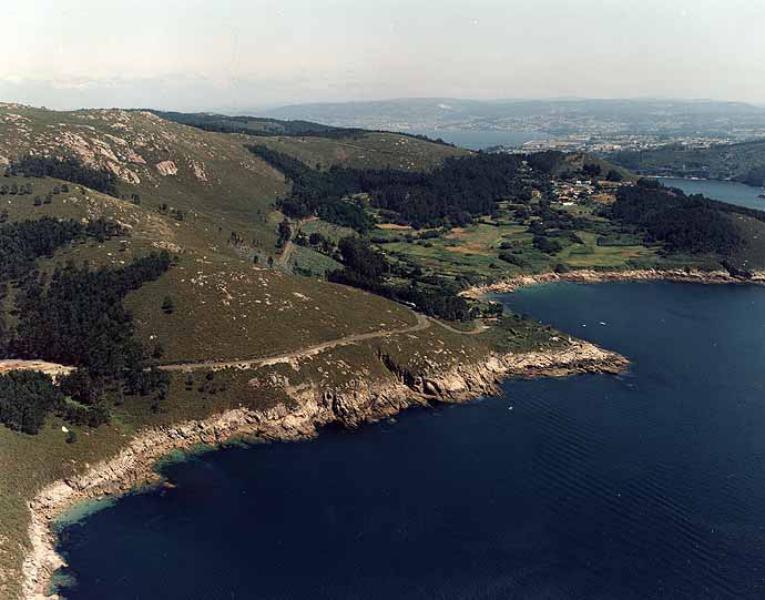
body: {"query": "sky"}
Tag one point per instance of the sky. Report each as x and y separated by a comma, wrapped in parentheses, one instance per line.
(247, 54)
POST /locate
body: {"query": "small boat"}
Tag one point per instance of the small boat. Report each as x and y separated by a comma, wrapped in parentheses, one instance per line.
(762, 195)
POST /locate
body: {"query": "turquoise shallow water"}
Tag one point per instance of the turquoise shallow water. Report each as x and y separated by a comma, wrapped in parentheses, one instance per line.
(647, 485)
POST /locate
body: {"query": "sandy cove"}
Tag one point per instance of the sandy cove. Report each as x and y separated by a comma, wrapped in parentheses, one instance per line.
(591, 276)
(367, 402)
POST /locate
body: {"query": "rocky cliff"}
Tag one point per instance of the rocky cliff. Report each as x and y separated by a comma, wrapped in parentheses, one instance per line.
(310, 410)
(590, 276)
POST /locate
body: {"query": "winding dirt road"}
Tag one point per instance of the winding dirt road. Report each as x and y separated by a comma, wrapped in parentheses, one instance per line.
(422, 323)
(248, 363)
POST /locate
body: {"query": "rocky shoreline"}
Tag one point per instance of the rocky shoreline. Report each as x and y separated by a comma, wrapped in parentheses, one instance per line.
(365, 402)
(591, 276)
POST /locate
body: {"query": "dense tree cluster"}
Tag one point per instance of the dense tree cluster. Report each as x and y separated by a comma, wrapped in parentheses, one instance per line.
(316, 192)
(23, 242)
(76, 316)
(462, 188)
(69, 169)
(26, 399)
(548, 161)
(682, 223)
(459, 190)
(73, 316)
(366, 268)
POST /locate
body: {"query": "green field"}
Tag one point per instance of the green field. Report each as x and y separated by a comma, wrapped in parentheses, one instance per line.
(475, 250)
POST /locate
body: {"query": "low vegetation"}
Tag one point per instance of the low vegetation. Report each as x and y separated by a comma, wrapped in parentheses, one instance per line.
(130, 244)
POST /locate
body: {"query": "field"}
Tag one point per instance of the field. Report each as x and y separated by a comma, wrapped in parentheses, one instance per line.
(475, 250)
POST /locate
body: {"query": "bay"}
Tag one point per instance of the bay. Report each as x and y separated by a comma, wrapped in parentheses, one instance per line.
(646, 485)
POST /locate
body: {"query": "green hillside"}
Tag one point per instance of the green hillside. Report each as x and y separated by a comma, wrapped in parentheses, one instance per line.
(366, 150)
(743, 162)
(189, 234)
(167, 272)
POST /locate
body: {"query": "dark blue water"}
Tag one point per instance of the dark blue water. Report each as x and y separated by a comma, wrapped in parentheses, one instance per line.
(649, 485)
(726, 191)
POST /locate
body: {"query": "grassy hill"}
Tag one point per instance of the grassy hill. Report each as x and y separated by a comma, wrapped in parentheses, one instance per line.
(208, 201)
(208, 175)
(369, 150)
(743, 162)
(235, 294)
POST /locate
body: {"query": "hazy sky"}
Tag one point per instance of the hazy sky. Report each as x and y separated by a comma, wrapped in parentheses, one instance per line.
(230, 54)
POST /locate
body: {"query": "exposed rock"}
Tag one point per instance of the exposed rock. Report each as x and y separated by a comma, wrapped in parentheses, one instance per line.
(589, 276)
(199, 170)
(311, 409)
(53, 369)
(167, 167)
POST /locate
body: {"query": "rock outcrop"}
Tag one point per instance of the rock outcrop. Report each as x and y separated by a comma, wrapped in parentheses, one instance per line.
(312, 409)
(590, 276)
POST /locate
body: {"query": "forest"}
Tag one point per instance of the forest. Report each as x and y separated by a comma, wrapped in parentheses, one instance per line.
(74, 316)
(682, 223)
(367, 268)
(22, 243)
(26, 399)
(68, 168)
(743, 162)
(461, 189)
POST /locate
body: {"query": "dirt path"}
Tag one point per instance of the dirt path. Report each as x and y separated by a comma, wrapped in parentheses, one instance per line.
(49, 368)
(248, 363)
(478, 329)
(289, 247)
(284, 257)
(422, 323)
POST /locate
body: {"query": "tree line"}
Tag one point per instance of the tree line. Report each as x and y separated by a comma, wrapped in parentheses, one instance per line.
(366, 268)
(681, 223)
(67, 168)
(453, 194)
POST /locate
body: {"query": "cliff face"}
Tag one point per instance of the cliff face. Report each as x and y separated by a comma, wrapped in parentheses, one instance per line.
(310, 410)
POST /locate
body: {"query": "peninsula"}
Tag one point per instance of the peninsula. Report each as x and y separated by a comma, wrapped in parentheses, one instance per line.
(176, 279)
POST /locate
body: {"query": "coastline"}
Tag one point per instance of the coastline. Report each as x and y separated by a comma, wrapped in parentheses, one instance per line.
(134, 466)
(591, 276)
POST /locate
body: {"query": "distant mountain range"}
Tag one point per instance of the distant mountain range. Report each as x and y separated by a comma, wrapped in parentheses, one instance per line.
(549, 117)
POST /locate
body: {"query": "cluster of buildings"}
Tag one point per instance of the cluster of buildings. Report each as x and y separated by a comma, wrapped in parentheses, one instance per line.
(620, 143)
(569, 193)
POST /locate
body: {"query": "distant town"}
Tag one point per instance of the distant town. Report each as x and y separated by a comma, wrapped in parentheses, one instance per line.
(628, 142)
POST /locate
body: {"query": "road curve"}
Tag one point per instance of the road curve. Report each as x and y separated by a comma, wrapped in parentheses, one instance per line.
(248, 363)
